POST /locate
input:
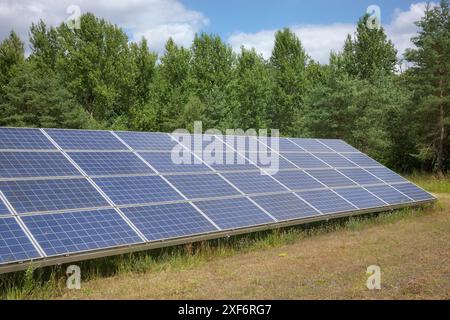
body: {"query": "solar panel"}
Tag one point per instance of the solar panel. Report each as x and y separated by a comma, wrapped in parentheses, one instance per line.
(310, 145)
(254, 182)
(232, 161)
(386, 175)
(234, 213)
(16, 139)
(137, 190)
(338, 145)
(305, 160)
(285, 206)
(148, 141)
(51, 195)
(413, 192)
(268, 163)
(202, 186)
(286, 145)
(326, 201)
(360, 197)
(297, 180)
(85, 140)
(361, 176)
(163, 163)
(109, 163)
(168, 221)
(362, 160)
(335, 160)
(35, 164)
(14, 244)
(64, 233)
(331, 178)
(3, 209)
(389, 194)
(57, 201)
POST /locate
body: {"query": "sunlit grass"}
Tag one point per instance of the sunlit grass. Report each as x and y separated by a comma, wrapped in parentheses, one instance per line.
(431, 183)
(49, 282)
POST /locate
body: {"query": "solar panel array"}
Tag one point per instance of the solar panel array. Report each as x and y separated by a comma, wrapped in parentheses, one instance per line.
(66, 192)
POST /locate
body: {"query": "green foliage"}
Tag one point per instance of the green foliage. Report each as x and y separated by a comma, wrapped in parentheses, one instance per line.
(429, 79)
(94, 77)
(288, 65)
(37, 98)
(11, 57)
(370, 53)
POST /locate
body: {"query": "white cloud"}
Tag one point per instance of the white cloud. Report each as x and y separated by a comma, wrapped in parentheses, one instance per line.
(155, 19)
(318, 40)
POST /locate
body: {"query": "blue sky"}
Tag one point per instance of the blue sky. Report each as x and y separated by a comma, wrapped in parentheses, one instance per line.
(321, 25)
(229, 16)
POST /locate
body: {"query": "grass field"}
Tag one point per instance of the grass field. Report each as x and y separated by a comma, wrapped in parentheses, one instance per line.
(325, 260)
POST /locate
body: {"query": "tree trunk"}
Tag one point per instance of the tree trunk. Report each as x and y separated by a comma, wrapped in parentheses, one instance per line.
(440, 154)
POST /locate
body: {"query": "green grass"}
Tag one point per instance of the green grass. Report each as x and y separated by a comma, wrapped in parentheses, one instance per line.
(49, 282)
(431, 183)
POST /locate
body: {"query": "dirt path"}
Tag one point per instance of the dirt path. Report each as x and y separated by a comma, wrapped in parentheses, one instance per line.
(413, 253)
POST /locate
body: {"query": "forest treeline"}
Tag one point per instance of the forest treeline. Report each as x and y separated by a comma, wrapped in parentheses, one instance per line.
(95, 78)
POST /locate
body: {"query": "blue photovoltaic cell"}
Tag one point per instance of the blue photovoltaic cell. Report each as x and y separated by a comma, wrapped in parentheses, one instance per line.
(72, 232)
(361, 176)
(305, 160)
(163, 163)
(3, 209)
(386, 175)
(110, 163)
(331, 178)
(335, 160)
(202, 186)
(35, 164)
(254, 182)
(271, 161)
(362, 160)
(168, 221)
(338, 145)
(243, 143)
(297, 180)
(198, 141)
(234, 213)
(360, 198)
(310, 145)
(14, 244)
(388, 194)
(284, 145)
(148, 141)
(232, 161)
(85, 140)
(285, 206)
(32, 139)
(326, 201)
(413, 191)
(51, 195)
(137, 190)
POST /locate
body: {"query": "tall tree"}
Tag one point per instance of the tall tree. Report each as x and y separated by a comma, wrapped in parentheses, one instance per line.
(430, 79)
(288, 63)
(11, 57)
(370, 53)
(213, 78)
(253, 91)
(96, 67)
(37, 98)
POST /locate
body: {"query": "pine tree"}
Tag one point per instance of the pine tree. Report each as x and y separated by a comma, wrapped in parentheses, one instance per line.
(11, 57)
(430, 79)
